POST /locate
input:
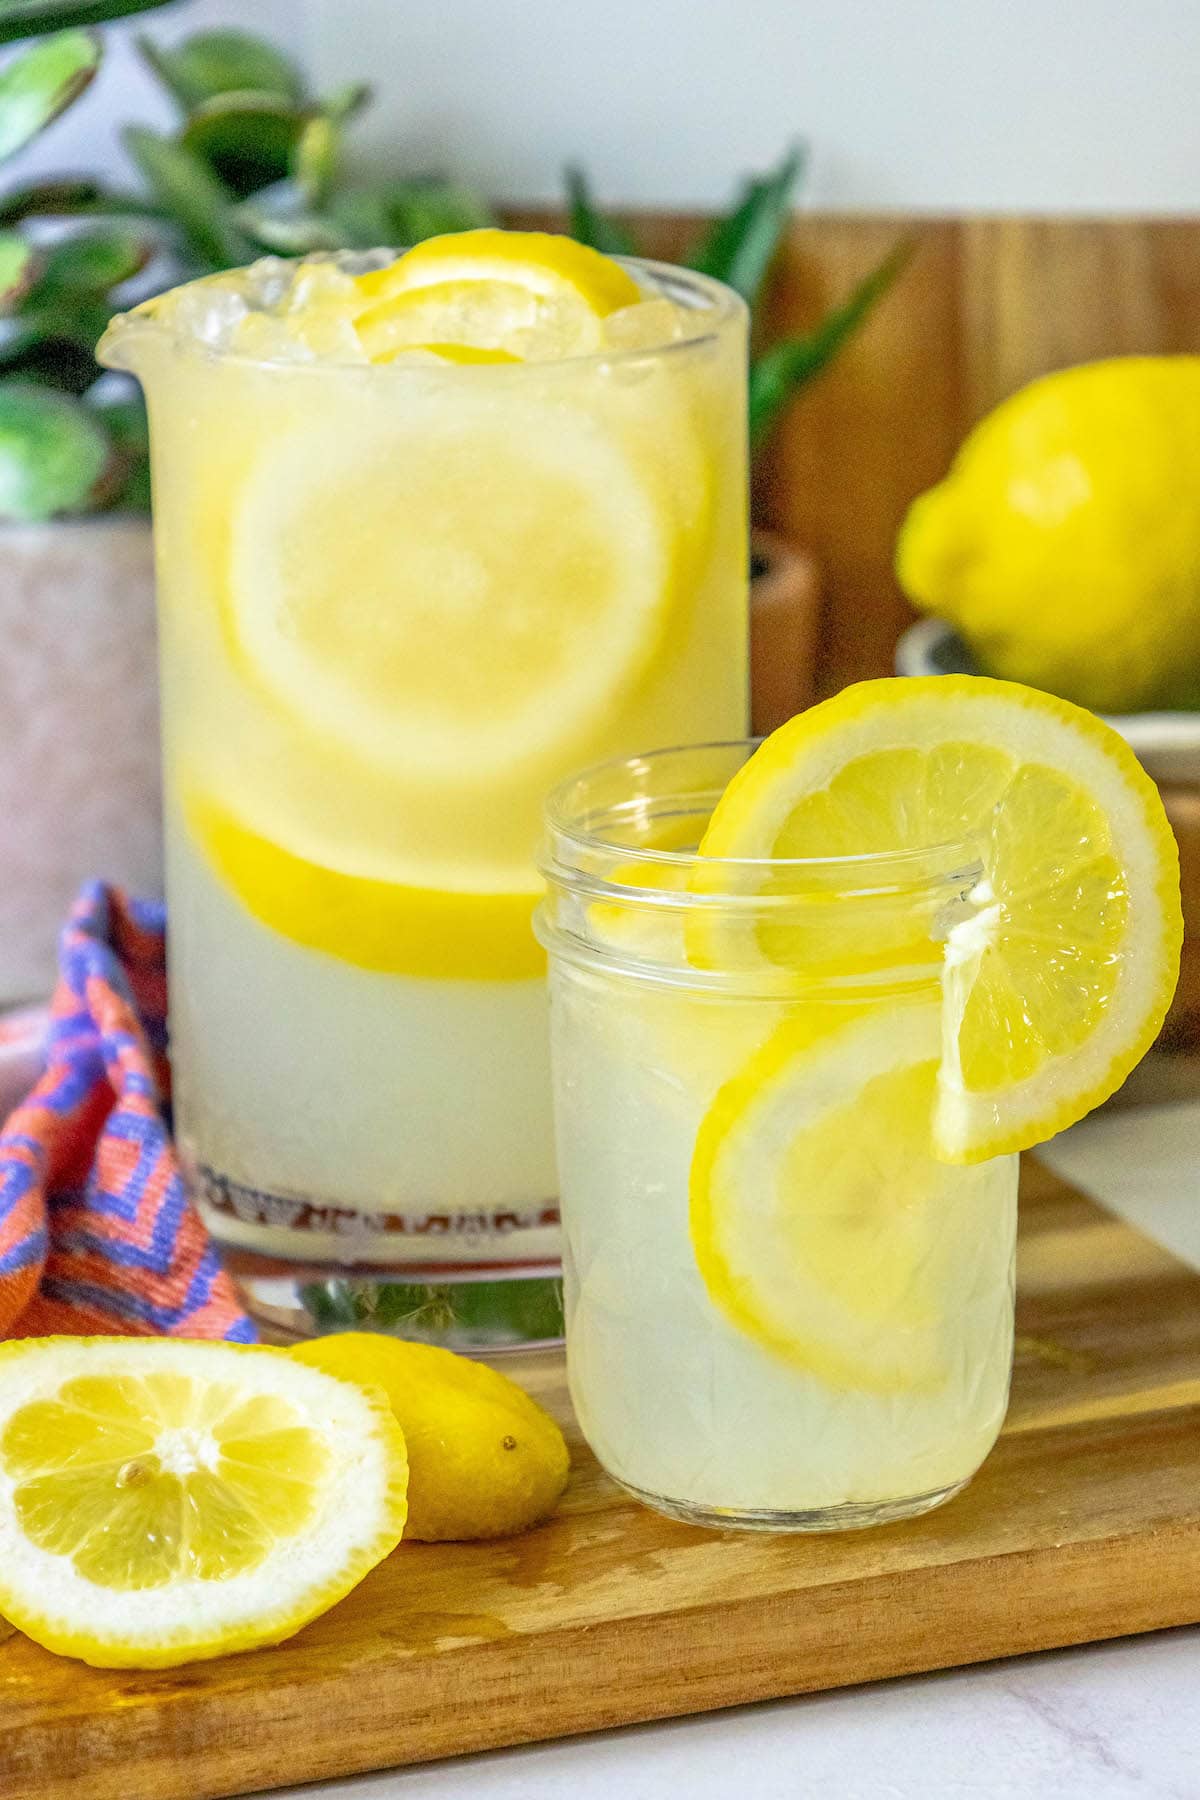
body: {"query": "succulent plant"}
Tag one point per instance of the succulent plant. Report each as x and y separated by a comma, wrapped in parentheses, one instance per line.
(55, 454)
(739, 249)
(253, 166)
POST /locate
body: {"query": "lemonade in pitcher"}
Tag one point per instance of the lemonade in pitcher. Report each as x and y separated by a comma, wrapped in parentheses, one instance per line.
(432, 530)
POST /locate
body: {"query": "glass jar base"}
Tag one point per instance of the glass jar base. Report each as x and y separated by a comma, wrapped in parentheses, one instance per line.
(478, 1316)
(852, 1516)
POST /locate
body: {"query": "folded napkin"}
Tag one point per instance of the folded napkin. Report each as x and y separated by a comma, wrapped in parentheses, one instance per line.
(96, 1234)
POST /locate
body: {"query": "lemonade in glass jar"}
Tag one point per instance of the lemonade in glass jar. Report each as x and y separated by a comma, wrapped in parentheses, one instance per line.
(808, 1001)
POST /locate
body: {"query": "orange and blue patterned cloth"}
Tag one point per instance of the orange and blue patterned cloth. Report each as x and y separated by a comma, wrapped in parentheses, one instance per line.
(96, 1235)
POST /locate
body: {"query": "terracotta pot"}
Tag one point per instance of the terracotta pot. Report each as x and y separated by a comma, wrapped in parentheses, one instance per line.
(79, 782)
(785, 618)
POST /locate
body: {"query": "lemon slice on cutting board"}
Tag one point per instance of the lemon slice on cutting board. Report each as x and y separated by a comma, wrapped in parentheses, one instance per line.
(531, 293)
(820, 1219)
(444, 587)
(1058, 981)
(163, 1501)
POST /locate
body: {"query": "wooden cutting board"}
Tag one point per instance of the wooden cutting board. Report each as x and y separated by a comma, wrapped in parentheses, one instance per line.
(1084, 1523)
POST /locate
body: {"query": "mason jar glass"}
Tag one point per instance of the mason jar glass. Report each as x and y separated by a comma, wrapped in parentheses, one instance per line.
(783, 1313)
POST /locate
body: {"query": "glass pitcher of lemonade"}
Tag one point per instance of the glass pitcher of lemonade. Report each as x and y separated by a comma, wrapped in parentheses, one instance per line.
(432, 531)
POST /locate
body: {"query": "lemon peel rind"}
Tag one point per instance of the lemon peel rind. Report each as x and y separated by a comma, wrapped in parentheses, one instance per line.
(433, 1517)
(158, 1644)
(546, 263)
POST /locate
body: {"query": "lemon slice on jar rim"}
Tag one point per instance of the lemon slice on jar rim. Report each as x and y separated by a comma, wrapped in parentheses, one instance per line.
(1059, 979)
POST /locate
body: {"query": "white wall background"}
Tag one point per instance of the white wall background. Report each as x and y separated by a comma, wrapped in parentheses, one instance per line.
(1022, 105)
(1039, 105)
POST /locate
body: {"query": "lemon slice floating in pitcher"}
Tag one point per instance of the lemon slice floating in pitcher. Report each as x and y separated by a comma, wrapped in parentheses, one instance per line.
(448, 587)
(163, 1501)
(391, 927)
(474, 566)
(530, 293)
(1060, 978)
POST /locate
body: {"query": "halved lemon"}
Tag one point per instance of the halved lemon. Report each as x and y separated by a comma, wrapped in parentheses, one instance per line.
(395, 928)
(528, 292)
(456, 584)
(821, 1222)
(163, 1501)
(1060, 977)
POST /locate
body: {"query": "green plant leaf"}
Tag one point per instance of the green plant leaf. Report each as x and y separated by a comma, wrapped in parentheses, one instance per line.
(287, 229)
(210, 64)
(247, 139)
(39, 83)
(425, 209)
(188, 191)
(18, 266)
(31, 349)
(738, 249)
(62, 328)
(360, 217)
(71, 199)
(122, 412)
(345, 101)
(92, 262)
(403, 213)
(590, 225)
(54, 456)
(35, 18)
(50, 199)
(314, 157)
(783, 370)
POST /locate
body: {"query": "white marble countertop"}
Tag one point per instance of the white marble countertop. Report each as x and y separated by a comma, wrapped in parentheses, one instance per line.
(1115, 1721)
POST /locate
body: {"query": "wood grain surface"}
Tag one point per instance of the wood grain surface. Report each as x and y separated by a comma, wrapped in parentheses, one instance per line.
(984, 305)
(1084, 1523)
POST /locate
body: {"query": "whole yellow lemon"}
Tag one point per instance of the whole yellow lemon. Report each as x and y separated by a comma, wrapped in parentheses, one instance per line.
(1065, 541)
(484, 1460)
